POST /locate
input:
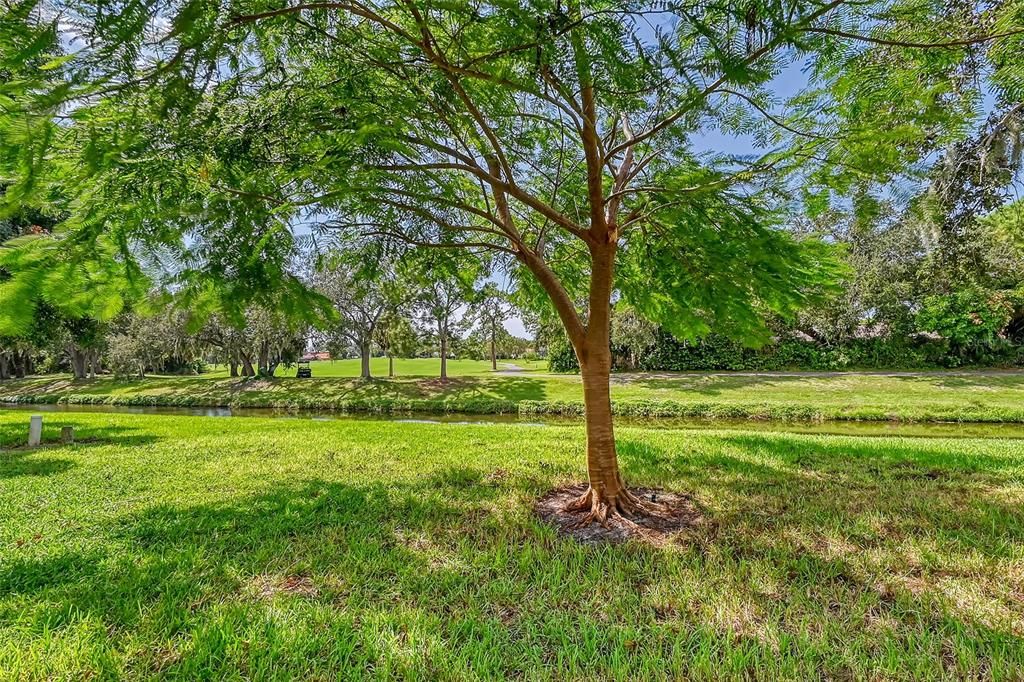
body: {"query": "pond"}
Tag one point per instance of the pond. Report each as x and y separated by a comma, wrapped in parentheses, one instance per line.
(851, 428)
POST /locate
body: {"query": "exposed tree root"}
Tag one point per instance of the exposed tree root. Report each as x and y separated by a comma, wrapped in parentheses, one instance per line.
(642, 513)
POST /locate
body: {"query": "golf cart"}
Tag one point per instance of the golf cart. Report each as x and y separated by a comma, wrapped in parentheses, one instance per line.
(304, 371)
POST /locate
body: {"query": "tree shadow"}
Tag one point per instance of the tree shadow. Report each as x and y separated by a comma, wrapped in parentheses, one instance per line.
(17, 459)
(14, 464)
(370, 544)
(890, 532)
(870, 493)
(357, 576)
(706, 384)
(715, 383)
(1009, 380)
(14, 436)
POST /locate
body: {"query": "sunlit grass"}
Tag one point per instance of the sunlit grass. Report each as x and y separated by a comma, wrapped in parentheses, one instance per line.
(404, 367)
(257, 548)
(923, 397)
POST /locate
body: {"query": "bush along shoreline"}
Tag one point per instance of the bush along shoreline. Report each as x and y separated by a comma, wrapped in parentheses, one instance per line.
(649, 409)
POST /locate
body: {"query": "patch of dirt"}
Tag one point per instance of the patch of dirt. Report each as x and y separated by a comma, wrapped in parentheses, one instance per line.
(678, 513)
(268, 586)
(497, 477)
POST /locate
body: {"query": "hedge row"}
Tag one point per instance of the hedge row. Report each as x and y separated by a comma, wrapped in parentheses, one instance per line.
(648, 409)
(719, 353)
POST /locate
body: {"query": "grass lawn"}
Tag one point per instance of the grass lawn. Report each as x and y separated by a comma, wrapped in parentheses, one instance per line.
(404, 367)
(923, 397)
(254, 548)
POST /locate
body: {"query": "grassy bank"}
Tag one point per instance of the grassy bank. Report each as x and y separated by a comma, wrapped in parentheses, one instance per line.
(404, 367)
(922, 397)
(227, 548)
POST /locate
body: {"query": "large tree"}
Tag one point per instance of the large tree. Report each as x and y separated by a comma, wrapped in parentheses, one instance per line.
(558, 137)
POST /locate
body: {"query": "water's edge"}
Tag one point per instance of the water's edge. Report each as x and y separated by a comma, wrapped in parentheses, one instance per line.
(852, 428)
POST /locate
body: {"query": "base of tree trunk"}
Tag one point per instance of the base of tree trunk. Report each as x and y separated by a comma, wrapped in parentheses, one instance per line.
(647, 514)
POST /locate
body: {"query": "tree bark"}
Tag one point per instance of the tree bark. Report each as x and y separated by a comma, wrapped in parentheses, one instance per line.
(494, 352)
(391, 366)
(607, 495)
(444, 357)
(4, 371)
(233, 369)
(364, 359)
(263, 361)
(602, 459)
(77, 362)
(247, 368)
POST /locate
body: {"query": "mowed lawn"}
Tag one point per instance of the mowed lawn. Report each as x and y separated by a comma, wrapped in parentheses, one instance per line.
(406, 367)
(936, 396)
(251, 548)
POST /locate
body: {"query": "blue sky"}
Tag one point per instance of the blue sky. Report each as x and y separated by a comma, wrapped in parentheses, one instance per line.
(785, 85)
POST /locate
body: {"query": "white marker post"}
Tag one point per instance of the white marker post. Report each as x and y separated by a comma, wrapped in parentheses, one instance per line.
(35, 431)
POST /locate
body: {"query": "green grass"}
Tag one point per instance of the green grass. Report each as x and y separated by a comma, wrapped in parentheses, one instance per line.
(404, 367)
(205, 548)
(924, 397)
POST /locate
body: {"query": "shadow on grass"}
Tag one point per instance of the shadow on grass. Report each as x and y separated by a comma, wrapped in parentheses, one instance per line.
(715, 384)
(790, 483)
(437, 574)
(17, 459)
(226, 390)
(31, 463)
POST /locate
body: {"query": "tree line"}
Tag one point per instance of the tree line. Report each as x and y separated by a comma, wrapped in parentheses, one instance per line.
(434, 308)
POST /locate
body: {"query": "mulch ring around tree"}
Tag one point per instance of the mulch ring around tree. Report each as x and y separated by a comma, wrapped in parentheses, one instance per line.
(677, 513)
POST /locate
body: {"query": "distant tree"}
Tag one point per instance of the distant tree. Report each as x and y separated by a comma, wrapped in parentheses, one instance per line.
(443, 284)
(970, 319)
(362, 287)
(264, 339)
(227, 338)
(490, 308)
(157, 339)
(273, 339)
(632, 332)
(396, 337)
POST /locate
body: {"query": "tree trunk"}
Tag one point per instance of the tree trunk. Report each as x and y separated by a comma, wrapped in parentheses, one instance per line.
(233, 369)
(19, 365)
(444, 356)
(391, 366)
(77, 362)
(364, 360)
(247, 369)
(602, 460)
(4, 371)
(494, 352)
(263, 362)
(607, 495)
